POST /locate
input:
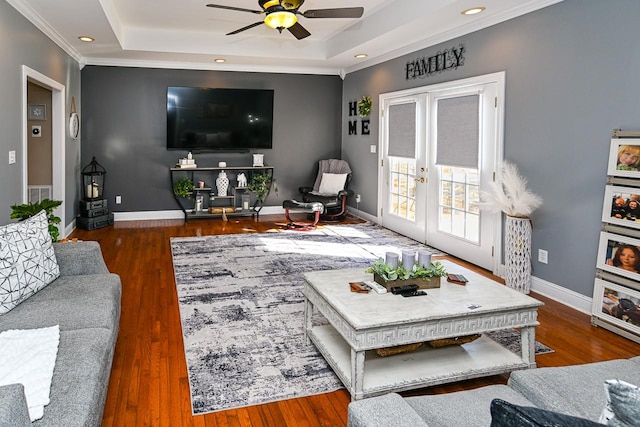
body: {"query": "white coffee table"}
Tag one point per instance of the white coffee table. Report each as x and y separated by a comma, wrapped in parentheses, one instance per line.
(361, 323)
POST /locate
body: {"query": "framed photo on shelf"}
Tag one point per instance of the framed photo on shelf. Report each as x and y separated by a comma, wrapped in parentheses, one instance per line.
(617, 304)
(621, 206)
(624, 158)
(619, 255)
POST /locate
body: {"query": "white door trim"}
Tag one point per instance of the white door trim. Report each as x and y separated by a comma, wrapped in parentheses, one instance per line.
(58, 134)
(500, 79)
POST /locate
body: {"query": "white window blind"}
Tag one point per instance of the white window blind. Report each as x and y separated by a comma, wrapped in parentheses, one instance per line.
(458, 134)
(402, 130)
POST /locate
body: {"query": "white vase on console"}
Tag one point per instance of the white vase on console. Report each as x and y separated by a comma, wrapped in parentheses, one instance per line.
(222, 183)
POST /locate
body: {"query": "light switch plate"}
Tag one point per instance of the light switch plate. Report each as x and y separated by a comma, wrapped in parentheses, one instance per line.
(12, 157)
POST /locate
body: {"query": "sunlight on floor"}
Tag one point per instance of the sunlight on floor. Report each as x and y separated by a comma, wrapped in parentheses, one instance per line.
(346, 231)
(316, 248)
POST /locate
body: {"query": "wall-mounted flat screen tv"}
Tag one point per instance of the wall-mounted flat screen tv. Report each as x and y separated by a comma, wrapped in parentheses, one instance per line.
(208, 119)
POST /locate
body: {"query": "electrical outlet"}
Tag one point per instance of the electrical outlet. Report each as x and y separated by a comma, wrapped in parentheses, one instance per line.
(543, 256)
(118, 200)
(358, 198)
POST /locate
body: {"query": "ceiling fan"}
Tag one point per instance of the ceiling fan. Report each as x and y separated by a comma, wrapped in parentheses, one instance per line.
(283, 14)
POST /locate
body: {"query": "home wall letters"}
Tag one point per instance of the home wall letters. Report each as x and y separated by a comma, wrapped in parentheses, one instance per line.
(353, 124)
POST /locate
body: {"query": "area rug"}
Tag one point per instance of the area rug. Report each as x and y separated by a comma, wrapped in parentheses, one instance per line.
(510, 338)
(241, 308)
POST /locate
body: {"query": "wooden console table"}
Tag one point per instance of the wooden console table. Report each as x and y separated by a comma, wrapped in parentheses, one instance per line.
(233, 200)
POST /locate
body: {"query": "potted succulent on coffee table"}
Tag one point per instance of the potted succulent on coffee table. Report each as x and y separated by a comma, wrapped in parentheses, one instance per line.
(423, 276)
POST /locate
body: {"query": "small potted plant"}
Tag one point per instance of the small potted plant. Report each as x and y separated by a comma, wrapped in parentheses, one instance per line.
(260, 183)
(183, 187)
(422, 276)
(27, 210)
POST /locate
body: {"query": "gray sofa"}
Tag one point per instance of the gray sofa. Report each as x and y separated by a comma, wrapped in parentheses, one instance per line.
(576, 390)
(85, 302)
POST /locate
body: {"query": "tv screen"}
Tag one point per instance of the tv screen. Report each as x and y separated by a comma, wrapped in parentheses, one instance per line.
(207, 119)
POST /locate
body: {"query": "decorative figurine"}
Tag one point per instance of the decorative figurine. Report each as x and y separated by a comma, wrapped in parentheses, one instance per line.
(242, 180)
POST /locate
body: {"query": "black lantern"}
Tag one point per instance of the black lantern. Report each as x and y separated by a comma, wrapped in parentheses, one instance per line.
(93, 180)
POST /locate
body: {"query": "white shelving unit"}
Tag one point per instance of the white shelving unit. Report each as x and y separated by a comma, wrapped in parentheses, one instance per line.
(616, 293)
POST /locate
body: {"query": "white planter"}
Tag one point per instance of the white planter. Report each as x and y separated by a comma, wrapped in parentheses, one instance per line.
(518, 253)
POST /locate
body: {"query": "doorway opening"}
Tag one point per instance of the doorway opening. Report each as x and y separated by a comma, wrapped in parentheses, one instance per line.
(56, 163)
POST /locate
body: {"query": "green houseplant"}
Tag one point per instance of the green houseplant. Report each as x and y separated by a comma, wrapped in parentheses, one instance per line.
(260, 183)
(384, 271)
(183, 187)
(27, 210)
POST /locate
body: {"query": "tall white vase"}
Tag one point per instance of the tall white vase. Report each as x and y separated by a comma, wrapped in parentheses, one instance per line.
(518, 253)
(222, 183)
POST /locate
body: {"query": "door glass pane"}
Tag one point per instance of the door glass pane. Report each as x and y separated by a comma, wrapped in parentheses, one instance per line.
(459, 203)
(403, 187)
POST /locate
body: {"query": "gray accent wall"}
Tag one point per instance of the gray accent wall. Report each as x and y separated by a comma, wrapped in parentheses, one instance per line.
(21, 43)
(124, 127)
(571, 78)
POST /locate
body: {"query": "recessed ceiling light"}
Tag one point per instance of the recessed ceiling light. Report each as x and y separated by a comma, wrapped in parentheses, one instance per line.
(361, 55)
(473, 10)
(86, 39)
(219, 60)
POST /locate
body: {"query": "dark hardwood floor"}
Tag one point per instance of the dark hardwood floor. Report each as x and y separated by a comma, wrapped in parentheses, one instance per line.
(149, 385)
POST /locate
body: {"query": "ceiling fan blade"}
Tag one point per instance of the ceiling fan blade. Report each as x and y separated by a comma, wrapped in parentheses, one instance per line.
(346, 12)
(255, 24)
(238, 9)
(299, 31)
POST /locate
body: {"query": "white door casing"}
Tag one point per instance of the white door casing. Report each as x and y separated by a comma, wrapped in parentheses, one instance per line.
(58, 134)
(424, 225)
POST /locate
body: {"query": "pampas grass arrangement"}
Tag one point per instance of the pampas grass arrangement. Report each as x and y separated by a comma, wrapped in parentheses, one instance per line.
(509, 194)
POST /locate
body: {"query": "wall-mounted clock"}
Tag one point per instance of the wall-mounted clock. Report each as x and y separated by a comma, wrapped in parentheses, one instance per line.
(74, 125)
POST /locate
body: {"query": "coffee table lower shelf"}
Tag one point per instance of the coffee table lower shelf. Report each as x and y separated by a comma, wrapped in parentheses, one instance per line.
(423, 367)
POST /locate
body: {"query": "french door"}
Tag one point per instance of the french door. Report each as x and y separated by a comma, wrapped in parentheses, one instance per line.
(439, 148)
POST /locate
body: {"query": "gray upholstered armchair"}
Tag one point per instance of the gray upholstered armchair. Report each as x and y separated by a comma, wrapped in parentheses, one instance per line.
(330, 188)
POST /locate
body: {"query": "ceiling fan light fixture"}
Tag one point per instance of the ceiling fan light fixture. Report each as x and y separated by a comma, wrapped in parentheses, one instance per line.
(280, 20)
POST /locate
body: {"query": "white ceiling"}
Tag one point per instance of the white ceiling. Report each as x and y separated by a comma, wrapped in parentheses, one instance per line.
(187, 34)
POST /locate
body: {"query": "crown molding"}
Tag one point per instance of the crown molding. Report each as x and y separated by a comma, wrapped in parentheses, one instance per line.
(28, 12)
(477, 25)
(112, 62)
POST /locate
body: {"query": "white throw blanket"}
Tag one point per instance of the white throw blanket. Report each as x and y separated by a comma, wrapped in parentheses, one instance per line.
(28, 356)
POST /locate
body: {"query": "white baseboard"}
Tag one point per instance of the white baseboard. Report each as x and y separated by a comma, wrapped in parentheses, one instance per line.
(557, 293)
(362, 215)
(562, 295)
(147, 215)
(69, 229)
(175, 214)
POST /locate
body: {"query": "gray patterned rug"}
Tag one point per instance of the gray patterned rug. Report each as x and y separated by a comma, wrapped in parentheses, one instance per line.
(241, 307)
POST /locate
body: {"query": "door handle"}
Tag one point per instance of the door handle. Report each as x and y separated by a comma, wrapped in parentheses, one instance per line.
(421, 179)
